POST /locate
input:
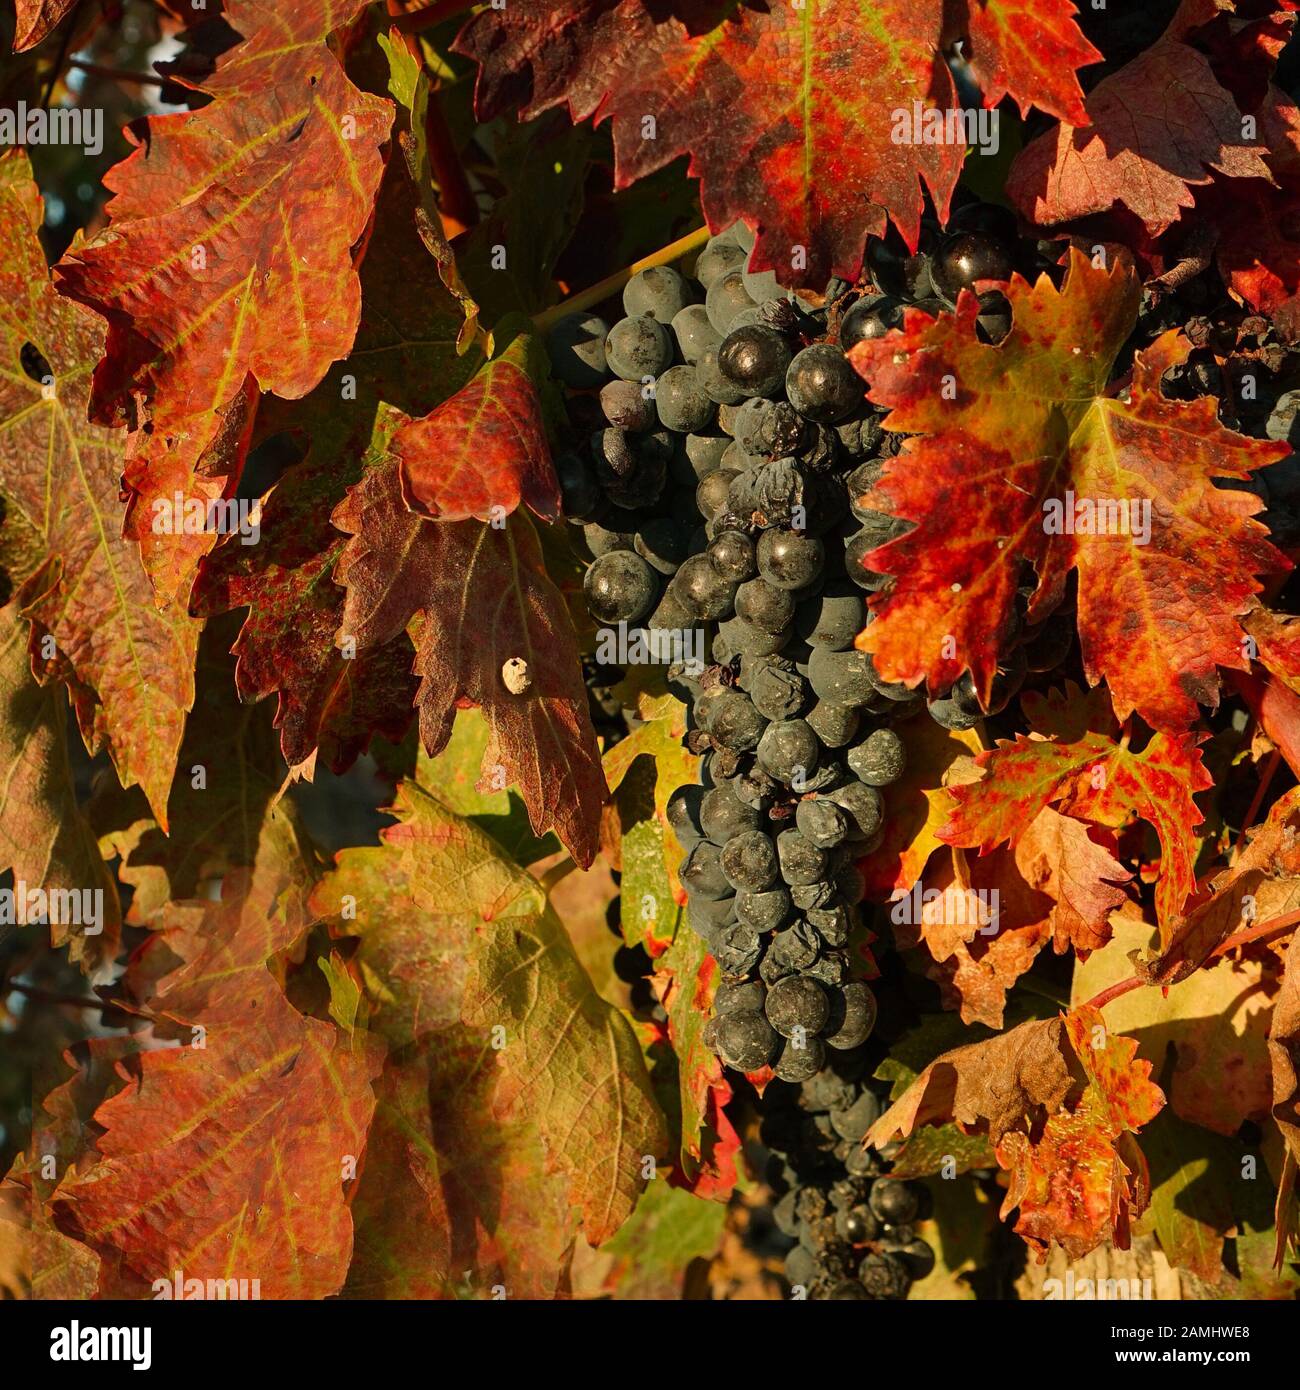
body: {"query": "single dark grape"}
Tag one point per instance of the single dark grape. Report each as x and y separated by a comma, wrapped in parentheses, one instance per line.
(796, 947)
(734, 723)
(662, 544)
(716, 386)
(966, 257)
(801, 861)
(840, 678)
(628, 405)
(725, 299)
(834, 725)
(707, 916)
(798, 1060)
(658, 293)
(778, 691)
(893, 1202)
(701, 872)
(749, 862)
(638, 348)
(993, 322)
(723, 814)
(857, 1225)
(822, 822)
(736, 949)
(746, 640)
(702, 591)
(746, 1041)
(788, 750)
(766, 911)
(765, 605)
(712, 492)
(851, 1122)
(683, 812)
(859, 436)
(732, 555)
(797, 1002)
(852, 1016)
(832, 618)
(871, 317)
(620, 587)
(755, 360)
(704, 452)
(878, 759)
(789, 560)
(681, 401)
(949, 714)
(717, 258)
(884, 1276)
(822, 385)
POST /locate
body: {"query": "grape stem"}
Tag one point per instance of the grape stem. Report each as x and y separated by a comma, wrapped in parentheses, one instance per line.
(1262, 931)
(611, 284)
(1261, 791)
(142, 79)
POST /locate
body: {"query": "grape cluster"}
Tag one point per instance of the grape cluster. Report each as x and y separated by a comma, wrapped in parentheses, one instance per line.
(722, 448)
(723, 489)
(852, 1227)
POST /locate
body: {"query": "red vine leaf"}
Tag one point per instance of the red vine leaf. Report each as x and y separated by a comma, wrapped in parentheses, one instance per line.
(788, 112)
(196, 1147)
(1159, 125)
(1019, 440)
(983, 920)
(488, 604)
(1072, 761)
(405, 354)
(484, 451)
(684, 982)
(229, 246)
(130, 669)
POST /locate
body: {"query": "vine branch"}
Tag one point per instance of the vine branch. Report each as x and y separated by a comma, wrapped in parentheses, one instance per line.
(1262, 931)
(683, 246)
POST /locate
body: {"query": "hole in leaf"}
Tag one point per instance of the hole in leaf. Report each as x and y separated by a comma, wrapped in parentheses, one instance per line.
(34, 364)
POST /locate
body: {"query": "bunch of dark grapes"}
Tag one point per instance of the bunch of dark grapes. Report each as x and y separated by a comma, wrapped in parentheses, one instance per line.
(722, 448)
(852, 1227)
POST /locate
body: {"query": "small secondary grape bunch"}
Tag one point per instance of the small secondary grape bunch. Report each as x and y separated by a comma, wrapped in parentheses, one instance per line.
(852, 1227)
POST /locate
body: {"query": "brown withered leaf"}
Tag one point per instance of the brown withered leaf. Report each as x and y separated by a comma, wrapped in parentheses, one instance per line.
(1061, 1100)
(1262, 884)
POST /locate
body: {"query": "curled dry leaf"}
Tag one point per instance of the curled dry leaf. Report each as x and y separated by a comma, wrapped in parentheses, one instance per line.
(1060, 1099)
